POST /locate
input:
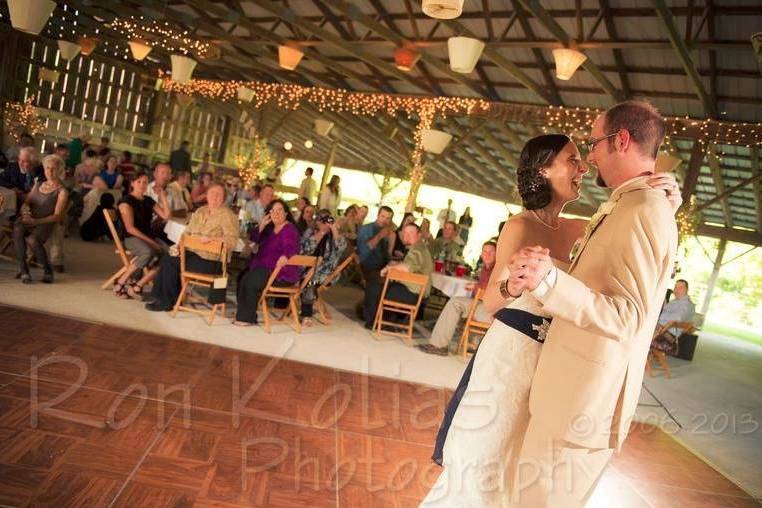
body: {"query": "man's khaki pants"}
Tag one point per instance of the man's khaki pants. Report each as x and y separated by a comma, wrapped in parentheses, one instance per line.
(455, 310)
(556, 473)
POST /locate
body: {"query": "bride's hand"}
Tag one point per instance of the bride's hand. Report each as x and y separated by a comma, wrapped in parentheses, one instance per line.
(667, 183)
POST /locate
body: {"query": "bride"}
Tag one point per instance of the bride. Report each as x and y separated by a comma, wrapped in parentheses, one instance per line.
(485, 421)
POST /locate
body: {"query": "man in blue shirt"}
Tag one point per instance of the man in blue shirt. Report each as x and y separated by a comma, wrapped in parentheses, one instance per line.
(373, 248)
(680, 309)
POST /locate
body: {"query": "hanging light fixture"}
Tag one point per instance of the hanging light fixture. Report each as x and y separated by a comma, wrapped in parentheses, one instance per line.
(442, 9)
(245, 94)
(30, 16)
(308, 144)
(567, 62)
(435, 141)
(88, 45)
(159, 84)
(46, 74)
(69, 50)
(667, 163)
(140, 48)
(182, 68)
(464, 53)
(289, 57)
(405, 58)
(287, 145)
(323, 127)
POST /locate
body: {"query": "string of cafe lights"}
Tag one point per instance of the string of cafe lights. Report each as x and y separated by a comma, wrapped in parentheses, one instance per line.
(22, 117)
(163, 35)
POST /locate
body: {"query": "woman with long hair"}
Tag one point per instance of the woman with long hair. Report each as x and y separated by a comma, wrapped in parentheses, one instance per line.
(484, 424)
(330, 196)
(277, 239)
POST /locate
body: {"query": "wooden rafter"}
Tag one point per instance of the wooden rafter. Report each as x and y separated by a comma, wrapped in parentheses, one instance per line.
(682, 53)
(393, 35)
(719, 184)
(503, 63)
(756, 170)
(537, 52)
(722, 197)
(557, 30)
(618, 57)
(692, 173)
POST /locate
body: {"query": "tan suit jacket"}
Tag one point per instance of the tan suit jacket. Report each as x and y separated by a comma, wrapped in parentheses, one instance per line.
(589, 375)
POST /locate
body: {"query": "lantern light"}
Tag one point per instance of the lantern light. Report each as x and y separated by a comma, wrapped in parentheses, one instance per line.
(289, 57)
(139, 48)
(287, 145)
(567, 62)
(69, 50)
(405, 58)
(182, 68)
(435, 141)
(464, 53)
(30, 16)
(442, 9)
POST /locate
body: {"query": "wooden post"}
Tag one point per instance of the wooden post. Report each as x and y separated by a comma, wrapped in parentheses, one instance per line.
(328, 165)
(715, 274)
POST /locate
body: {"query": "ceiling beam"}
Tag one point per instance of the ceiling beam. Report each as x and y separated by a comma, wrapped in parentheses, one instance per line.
(678, 44)
(692, 173)
(723, 196)
(353, 12)
(719, 184)
(346, 46)
(756, 170)
(731, 234)
(557, 30)
(503, 62)
(618, 57)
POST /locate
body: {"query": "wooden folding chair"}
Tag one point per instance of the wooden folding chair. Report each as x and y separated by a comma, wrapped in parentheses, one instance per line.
(322, 309)
(190, 279)
(6, 242)
(472, 326)
(661, 356)
(293, 293)
(124, 255)
(411, 311)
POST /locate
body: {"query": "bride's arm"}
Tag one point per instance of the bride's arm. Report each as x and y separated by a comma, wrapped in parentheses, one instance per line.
(512, 238)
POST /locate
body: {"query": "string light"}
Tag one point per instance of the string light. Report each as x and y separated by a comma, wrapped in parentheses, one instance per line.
(256, 164)
(687, 219)
(22, 118)
(163, 35)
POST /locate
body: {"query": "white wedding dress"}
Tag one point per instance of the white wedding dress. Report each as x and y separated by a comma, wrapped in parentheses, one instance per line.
(489, 412)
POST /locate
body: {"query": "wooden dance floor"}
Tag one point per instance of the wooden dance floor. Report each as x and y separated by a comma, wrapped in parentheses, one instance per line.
(92, 415)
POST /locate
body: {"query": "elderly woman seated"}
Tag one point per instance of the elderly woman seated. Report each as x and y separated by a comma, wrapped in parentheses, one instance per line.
(136, 211)
(277, 239)
(324, 241)
(214, 221)
(44, 207)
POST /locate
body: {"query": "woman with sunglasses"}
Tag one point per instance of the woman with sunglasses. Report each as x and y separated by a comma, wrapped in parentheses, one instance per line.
(278, 239)
(322, 240)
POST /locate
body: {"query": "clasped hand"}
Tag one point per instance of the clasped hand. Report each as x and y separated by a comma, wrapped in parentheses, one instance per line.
(528, 267)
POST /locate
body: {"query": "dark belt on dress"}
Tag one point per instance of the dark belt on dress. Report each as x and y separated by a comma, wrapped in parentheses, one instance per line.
(531, 325)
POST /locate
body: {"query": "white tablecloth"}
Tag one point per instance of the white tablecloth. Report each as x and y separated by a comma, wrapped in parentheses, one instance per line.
(175, 229)
(451, 286)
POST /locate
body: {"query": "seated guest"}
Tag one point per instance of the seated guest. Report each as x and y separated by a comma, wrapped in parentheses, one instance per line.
(110, 173)
(397, 248)
(103, 149)
(426, 231)
(93, 198)
(324, 241)
(215, 221)
(136, 211)
(22, 174)
(44, 208)
(234, 195)
(126, 167)
(457, 307)
(680, 309)
(162, 174)
(306, 220)
(25, 140)
(62, 150)
(180, 186)
(373, 250)
(301, 204)
(85, 171)
(362, 214)
(449, 247)
(348, 224)
(256, 207)
(278, 239)
(417, 260)
(95, 227)
(198, 194)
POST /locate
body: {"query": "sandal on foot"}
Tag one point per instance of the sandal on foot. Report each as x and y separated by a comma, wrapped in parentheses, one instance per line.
(120, 290)
(135, 290)
(25, 277)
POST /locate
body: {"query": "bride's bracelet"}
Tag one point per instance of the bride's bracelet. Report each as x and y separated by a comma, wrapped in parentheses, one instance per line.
(503, 288)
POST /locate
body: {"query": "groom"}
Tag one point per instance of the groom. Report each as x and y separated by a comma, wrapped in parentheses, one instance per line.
(588, 379)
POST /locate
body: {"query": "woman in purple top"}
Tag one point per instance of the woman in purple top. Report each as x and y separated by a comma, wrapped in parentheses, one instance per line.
(278, 240)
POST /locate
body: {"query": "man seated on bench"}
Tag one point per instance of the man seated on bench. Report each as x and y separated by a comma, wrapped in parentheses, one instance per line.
(680, 309)
(417, 260)
(457, 307)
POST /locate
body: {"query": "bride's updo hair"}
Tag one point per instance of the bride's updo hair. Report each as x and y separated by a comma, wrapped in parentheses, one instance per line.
(538, 153)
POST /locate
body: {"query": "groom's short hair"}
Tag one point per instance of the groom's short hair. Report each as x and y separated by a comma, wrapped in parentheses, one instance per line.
(642, 120)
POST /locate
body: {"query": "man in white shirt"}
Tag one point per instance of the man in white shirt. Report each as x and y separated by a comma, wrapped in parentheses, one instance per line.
(162, 174)
(307, 188)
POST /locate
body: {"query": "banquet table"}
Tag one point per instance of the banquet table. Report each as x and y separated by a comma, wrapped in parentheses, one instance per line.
(450, 285)
(174, 229)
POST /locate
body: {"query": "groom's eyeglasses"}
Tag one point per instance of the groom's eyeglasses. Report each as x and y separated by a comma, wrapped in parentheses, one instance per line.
(591, 143)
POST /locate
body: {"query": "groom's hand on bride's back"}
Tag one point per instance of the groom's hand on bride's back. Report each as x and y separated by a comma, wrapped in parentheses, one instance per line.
(529, 266)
